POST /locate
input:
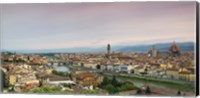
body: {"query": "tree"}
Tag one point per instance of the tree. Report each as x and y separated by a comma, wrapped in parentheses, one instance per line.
(114, 81)
(82, 64)
(179, 93)
(4, 80)
(54, 72)
(132, 71)
(148, 91)
(111, 89)
(98, 66)
(105, 81)
(70, 76)
(139, 91)
(145, 69)
(46, 89)
(125, 87)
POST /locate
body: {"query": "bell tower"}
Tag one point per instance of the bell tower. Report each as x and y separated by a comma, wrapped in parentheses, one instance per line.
(108, 49)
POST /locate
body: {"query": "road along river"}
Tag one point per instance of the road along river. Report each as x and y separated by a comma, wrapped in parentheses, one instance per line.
(161, 88)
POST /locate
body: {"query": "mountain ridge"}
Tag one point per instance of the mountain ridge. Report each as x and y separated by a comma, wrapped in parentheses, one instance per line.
(184, 46)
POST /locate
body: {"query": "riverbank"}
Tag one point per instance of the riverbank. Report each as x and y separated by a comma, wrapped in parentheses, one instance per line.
(183, 86)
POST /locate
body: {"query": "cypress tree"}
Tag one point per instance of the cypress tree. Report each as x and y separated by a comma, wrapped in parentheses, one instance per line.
(148, 91)
(114, 81)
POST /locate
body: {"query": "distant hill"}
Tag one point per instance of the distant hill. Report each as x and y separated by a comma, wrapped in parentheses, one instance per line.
(185, 46)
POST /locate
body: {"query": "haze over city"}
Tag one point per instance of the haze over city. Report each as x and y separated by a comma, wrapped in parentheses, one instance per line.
(70, 25)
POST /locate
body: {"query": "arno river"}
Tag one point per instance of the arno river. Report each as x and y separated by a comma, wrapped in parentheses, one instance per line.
(162, 89)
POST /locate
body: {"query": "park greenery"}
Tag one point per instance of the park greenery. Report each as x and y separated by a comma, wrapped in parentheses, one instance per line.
(113, 86)
(58, 90)
(46, 89)
(4, 83)
(84, 91)
(184, 86)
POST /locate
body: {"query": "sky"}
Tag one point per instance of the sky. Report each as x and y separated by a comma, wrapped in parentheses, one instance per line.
(71, 25)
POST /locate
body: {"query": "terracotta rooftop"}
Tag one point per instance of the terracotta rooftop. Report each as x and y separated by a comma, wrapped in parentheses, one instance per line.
(57, 78)
(172, 69)
(185, 72)
(84, 75)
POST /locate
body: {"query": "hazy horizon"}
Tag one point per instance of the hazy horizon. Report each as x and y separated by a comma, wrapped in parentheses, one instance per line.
(71, 25)
(114, 48)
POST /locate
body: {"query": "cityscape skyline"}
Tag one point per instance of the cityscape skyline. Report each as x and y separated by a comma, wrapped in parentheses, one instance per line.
(70, 25)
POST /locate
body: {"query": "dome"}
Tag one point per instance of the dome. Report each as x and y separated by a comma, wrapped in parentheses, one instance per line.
(174, 48)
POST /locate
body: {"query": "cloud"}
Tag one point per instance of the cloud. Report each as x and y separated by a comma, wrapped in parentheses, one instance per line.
(27, 26)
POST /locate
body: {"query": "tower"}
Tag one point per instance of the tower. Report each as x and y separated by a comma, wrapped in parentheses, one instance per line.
(108, 49)
(154, 51)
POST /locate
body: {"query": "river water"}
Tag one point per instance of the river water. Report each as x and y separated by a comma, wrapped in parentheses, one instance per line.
(160, 88)
(157, 87)
(61, 68)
